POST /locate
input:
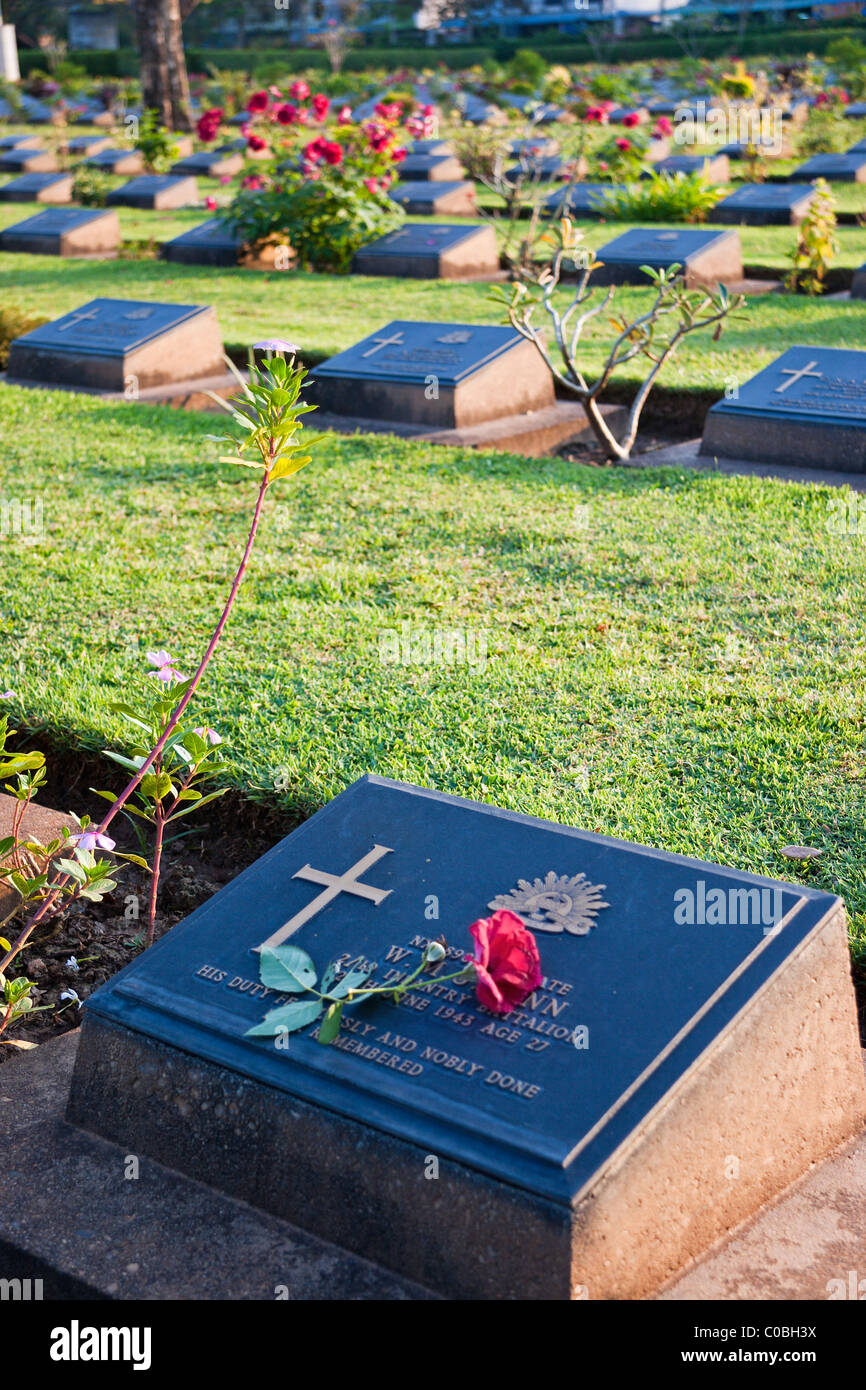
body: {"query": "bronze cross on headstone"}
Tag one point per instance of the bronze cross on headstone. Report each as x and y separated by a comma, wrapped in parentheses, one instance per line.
(795, 374)
(334, 885)
(381, 343)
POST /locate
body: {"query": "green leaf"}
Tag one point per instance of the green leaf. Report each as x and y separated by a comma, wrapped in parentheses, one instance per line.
(330, 1026)
(286, 968)
(352, 980)
(211, 796)
(289, 1018)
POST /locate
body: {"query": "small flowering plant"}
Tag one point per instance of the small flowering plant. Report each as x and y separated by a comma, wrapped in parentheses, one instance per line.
(321, 180)
(505, 968)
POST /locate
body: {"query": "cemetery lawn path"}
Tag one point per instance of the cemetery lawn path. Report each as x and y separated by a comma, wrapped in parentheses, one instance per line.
(674, 658)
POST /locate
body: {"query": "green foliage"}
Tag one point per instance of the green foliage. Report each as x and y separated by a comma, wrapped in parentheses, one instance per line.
(324, 221)
(665, 197)
(91, 186)
(827, 131)
(526, 68)
(817, 245)
(848, 57)
(155, 144)
(14, 323)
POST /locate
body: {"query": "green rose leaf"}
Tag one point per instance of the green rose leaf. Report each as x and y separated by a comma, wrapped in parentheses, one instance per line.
(287, 968)
(287, 1019)
(330, 1026)
(352, 980)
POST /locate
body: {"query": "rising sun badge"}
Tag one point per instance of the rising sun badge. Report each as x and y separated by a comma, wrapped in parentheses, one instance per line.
(555, 903)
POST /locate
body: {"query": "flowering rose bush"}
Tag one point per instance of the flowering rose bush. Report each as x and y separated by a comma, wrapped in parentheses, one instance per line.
(324, 192)
(506, 962)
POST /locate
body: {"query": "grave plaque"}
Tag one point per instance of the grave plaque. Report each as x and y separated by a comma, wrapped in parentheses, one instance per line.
(108, 341)
(15, 142)
(449, 375)
(113, 161)
(431, 251)
(765, 205)
(858, 286)
(213, 164)
(439, 147)
(837, 168)
(426, 198)
(581, 199)
(211, 243)
(431, 168)
(157, 192)
(81, 232)
(543, 147)
(545, 170)
(84, 145)
(706, 257)
(855, 110)
(686, 1013)
(808, 408)
(39, 188)
(859, 148)
(714, 167)
(26, 159)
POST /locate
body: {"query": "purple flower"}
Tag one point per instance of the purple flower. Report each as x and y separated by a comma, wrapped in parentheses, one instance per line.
(91, 839)
(158, 658)
(8, 695)
(165, 672)
(277, 345)
(209, 735)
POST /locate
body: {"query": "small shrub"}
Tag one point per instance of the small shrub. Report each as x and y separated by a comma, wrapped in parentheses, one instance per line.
(91, 187)
(826, 132)
(674, 197)
(816, 243)
(156, 145)
(13, 323)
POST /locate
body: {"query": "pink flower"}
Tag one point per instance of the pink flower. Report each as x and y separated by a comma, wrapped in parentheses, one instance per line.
(225, 178)
(259, 101)
(287, 114)
(664, 127)
(275, 93)
(299, 90)
(321, 106)
(622, 143)
(371, 185)
(210, 204)
(252, 182)
(256, 143)
(389, 110)
(209, 735)
(209, 123)
(333, 152)
(378, 138)
(91, 840)
(345, 115)
(506, 961)
(631, 120)
(399, 155)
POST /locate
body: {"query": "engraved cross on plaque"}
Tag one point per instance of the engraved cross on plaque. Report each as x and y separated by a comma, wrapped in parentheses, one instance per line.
(381, 343)
(75, 319)
(334, 885)
(795, 375)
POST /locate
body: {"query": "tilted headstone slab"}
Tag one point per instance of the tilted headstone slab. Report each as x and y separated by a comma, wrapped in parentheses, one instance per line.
(451, 375)
(83, 145)
(688, 1013)
(714, 167)
(765, 205)
(65, 232)
(26, 160)
(431, 250)
(582, 199)
(211, 163)
(542, 147)
(431, 146)
(116, 161)
(859, 148)
(39, 188)
(808, 407)
(156, 191)
(211, 243)
(454, 199)
(839, 168)
(431, 168)
(706, 257)
(104, 343)
(15, 142)
(858, 286)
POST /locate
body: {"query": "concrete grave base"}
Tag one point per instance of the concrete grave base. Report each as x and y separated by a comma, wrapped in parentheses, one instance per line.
(777, 1090)
(689, 455)
(535, 434)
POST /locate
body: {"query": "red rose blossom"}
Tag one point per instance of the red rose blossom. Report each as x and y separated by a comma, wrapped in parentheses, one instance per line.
(255, 142)
(623, 144)
(286, 114)
(332, 152)
(321, 106)
(506, 962)
(299, 91)
(632, 119)
(209, 123)
(259, 101)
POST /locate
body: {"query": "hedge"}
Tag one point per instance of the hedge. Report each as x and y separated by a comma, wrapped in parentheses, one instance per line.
(767, 42)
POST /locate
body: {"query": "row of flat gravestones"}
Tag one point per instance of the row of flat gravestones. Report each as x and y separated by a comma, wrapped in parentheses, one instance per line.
(808, 407)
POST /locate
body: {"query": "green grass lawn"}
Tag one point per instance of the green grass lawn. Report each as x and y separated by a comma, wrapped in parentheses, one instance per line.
(326, 313)
(672, 657)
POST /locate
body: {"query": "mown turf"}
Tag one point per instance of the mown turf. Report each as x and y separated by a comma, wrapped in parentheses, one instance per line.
(674, 658)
